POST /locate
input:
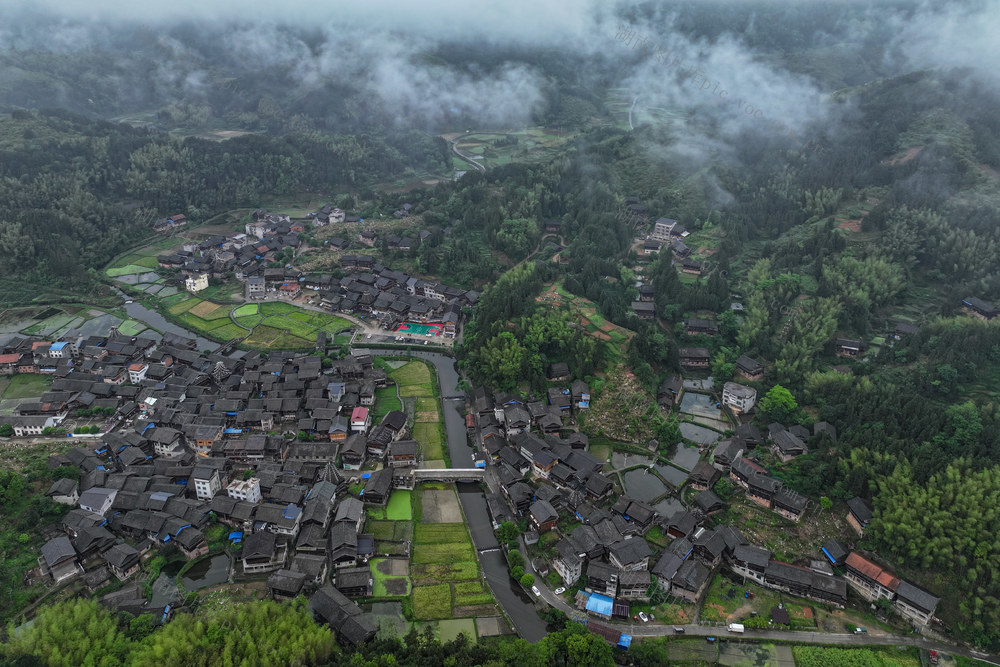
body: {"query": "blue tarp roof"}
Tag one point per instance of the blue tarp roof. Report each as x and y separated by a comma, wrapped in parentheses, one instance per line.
(58, 346)
(600, 604)
(832, 559)
(365, 475)
(625, 641)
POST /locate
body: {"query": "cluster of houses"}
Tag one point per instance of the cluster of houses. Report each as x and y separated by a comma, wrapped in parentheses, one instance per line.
(557, 485)
(393, 297)
(250, 443)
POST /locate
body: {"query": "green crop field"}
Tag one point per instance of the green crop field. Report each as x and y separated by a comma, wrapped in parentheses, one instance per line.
(246, 309)
(287, 324)
(199, 324)
(277, 308)
(432, 602)
(442, 553)
(250, 321)
(228, 331)
(380, 530)
(440, 533)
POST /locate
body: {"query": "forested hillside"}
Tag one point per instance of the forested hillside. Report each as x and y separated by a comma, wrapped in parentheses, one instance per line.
(75, 192)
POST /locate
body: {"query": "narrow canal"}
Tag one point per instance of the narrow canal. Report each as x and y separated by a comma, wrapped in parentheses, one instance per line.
(516, 604)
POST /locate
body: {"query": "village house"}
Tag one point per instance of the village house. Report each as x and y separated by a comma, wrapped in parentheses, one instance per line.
(979, 308)
(859, 515)
(694, 357)
(749, 368)
(196, 282)
(740, 398)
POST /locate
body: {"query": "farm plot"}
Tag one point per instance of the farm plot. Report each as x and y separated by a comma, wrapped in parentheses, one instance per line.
(431, 439)
(444, 569)
(131, 328)
(245, 309)
(432, 602)
(269, 337)
(277, 308)
(390, 575)
(414, 379)
(207, 310)
(249, 321)
(128, 270)
(290, 325)
(183, 306)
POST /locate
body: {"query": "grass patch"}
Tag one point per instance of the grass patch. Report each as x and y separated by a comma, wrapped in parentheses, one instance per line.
(432, 602)
(399, 507)
(440, 533)
(429, 435)
(432, 554)
(246, 309)
(27, 385)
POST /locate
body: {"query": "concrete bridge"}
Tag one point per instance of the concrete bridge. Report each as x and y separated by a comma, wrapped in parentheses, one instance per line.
(448, 474)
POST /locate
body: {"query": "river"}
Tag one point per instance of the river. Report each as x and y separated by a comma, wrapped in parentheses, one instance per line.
(139, 312)
(516, 604)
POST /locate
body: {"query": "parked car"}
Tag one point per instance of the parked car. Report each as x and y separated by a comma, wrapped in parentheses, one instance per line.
(560, 590)
(678, 630)
(643, 617)
(534, 589)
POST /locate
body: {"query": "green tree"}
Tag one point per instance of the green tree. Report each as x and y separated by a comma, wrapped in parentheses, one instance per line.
(508, 532)
(527, 579)
(6, 430)
(69, 634)
(778, 405)
(825, 503)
